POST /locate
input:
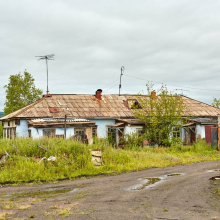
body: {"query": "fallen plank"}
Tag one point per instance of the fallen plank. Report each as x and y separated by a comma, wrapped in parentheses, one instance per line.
(43, 148)
(15, 148)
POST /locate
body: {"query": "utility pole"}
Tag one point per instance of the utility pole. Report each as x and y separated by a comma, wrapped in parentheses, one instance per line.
(47, 57)
(122, 70)
(65, 127)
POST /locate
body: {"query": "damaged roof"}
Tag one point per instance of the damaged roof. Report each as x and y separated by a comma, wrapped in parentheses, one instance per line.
(85, 106)
(74, 106)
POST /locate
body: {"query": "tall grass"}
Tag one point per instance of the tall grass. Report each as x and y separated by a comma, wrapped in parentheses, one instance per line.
(73, 158)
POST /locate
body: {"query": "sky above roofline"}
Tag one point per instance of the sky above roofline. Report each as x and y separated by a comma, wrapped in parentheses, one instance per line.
(171, 42)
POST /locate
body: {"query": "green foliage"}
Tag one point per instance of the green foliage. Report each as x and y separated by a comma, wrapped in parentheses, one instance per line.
(1, 130)
(160, 115)
(73, 158)
(132, 141)
(20, 92)
(216, 102)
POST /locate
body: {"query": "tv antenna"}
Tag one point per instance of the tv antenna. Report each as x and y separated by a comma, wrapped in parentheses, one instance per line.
(183, 90)
(122, 70)
(46, 57)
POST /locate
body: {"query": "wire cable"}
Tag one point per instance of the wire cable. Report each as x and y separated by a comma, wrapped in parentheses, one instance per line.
(171, 84)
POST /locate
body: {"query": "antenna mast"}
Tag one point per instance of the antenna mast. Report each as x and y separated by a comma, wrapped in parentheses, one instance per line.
(47, 57)
(122, 70)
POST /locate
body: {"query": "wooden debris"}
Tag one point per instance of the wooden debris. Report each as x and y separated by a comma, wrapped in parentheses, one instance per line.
(97, 157)
(43, 148)
(15, 148)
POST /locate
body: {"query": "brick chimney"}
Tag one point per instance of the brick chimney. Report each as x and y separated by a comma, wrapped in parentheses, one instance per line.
(98, 94)
(153, 95)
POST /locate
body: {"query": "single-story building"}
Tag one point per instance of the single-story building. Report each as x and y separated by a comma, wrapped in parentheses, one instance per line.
(100, 115)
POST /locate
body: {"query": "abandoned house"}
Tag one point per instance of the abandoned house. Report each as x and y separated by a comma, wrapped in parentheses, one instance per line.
(98, 115)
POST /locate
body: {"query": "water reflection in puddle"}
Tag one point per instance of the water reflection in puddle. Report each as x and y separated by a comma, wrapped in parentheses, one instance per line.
(216, 170)
(174, 174)
(151, 181)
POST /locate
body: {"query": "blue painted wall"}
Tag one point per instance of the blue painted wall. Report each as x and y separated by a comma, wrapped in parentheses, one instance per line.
(22, 129)
(101, 126)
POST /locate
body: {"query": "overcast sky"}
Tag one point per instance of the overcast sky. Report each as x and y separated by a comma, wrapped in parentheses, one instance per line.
(173, 42)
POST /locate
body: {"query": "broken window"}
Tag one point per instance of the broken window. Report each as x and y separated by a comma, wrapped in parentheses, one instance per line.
(29, 133)
(94, 132)
(136, 105)
(81, 133)
(49, 132)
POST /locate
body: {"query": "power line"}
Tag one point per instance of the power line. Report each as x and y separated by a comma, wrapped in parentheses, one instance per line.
(171, 84)
(110, 84)
(111, 87)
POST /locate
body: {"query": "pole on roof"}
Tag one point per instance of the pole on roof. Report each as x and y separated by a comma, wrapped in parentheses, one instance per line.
(122, 70)
(47, 57)
(65, 127)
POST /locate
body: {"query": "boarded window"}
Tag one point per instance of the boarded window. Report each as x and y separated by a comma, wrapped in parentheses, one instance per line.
(49, 132)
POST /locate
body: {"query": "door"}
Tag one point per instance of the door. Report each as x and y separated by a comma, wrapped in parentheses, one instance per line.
(214, 136)
(208, 133)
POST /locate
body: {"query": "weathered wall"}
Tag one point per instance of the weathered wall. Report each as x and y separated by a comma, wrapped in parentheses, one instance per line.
(22, 129)
(38, 132)
(101, 126)
(131, 129)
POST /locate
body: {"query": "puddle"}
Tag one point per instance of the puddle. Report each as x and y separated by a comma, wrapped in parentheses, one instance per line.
(216, 170)
(174, 174)
(43, 192)
(215, 178)
(151, 181)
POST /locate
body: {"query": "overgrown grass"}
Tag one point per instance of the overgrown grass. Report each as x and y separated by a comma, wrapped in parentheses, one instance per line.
(73, 158)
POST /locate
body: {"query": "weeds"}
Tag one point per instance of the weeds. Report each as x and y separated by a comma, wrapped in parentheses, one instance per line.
(73, 158)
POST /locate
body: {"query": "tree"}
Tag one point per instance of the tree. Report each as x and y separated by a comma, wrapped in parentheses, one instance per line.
(20, 92)
(160, 113)
(216, 102)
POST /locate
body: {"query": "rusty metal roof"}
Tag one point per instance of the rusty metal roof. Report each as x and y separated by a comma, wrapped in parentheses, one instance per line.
(85, 106)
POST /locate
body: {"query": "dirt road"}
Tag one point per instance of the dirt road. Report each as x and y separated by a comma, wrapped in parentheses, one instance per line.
(189, 194)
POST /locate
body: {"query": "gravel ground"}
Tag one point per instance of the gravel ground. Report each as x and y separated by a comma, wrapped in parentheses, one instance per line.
(190, 195)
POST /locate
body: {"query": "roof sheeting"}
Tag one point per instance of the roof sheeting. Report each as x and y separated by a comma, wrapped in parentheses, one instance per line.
(88, 106)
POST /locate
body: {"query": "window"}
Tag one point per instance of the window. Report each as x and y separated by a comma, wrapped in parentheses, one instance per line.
(176, 132)
(49, 132)
(139, 131)
(94, 132)
(29, 133)
(5, 133)
(112, 135)
(136, 105)
(81, 133)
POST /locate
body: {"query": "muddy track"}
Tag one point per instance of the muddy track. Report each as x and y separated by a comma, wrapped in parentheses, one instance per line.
(172, 193)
